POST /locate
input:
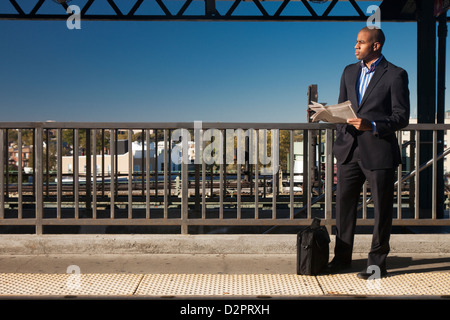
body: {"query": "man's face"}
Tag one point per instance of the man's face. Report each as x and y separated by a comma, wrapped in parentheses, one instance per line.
(365, 46)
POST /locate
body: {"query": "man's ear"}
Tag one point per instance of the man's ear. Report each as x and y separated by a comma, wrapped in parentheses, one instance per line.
(377, 46)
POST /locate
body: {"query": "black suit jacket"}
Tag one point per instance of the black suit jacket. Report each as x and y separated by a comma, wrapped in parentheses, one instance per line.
(386, 101)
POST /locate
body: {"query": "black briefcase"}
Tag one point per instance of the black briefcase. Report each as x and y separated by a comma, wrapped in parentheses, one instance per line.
(313, 249)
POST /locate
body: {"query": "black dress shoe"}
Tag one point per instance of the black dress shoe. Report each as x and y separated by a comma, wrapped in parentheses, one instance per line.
(336, 266)
(366, 274)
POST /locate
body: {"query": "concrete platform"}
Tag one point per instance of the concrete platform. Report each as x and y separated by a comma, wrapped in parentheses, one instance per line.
(209, 266)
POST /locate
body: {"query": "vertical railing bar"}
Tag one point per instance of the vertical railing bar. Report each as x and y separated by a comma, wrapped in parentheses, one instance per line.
(73, 165)
(275, 143)
(116, 164)
(329, 178)
(34, 162)
(2, 174)
(256, 161)
(224, 174)
(319, 162)
(47, 166)
(88, 172)
(291, 175)
(59, 173)
(166, 163)
(169, 150)
(238, 190)
(411, 182)
(6, 158)
(39, 180)
(238, 174)
(19, 175)
(434, 177)
(305, 173)
(399, 179)
(184, 187)
(94, 173)
(147, 174)
(200, 150)
(310, 164)
(203, 189)
(156, 165)
(221, 182)
(142, 163)
(130, 174)
(76, 173)
(112, 146)
(184, 197)
(103, 162)
(416, 196)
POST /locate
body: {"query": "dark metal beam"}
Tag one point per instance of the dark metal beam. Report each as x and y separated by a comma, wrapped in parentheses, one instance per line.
(86, 7)
(211, 12)
(440, 110)
(135, 7)
(426, 94)
(17, 7)
(115, 8)
(210, 8)
(184, 7)
(37, 6)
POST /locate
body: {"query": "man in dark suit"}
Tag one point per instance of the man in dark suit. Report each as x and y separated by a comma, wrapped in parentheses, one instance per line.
(367, 148)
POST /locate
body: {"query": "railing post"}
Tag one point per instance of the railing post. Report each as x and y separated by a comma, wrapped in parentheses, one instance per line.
(167, 180)
(329, 177)
(39, 179)
(130, 174)
(94, 173)
(112, 183)
(291, 174)
(184, 197)
(311, 162)
(275, 145)
(434, 176)
(19, 174)
(147, 174)
(76, 172)
(2, 174)
(417, 182)
(59, 173)
(184, 186)
(399, 179)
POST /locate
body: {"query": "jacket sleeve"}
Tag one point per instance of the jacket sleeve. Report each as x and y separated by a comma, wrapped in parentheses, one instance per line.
(400, 106)
(342, 98)
(342, 89)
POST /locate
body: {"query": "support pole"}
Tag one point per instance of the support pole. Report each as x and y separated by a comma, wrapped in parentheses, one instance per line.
(426, 95)
(440, 118)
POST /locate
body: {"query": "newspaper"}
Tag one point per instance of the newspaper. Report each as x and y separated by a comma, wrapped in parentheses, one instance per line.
(337, 113)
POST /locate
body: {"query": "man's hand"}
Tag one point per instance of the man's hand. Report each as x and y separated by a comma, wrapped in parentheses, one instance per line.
(360, 124)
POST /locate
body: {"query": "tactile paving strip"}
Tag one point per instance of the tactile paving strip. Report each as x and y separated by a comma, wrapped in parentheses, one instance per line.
(228, 285)
(409, 284)
(179, 285)
(68, 284)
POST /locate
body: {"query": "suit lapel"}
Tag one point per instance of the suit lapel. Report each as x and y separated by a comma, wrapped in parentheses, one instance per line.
(354, 75)
(379, 72)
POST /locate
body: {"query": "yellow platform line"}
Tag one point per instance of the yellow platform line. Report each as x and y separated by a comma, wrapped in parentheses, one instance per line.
(221, 285)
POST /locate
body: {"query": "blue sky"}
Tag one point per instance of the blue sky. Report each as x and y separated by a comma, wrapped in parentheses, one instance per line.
(180, 71)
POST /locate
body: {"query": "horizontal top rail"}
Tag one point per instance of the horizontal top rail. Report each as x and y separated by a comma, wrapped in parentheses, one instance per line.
(163, 125)
(191, 125)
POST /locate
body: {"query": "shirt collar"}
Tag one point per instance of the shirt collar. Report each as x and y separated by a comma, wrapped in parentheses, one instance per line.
(373, 65)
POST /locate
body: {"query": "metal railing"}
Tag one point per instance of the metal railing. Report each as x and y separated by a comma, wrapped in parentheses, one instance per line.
(151, 175)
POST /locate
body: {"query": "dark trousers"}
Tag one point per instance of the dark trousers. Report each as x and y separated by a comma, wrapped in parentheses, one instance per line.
(350, 179)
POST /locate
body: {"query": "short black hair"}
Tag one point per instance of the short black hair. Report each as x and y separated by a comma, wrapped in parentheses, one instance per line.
(376, 33)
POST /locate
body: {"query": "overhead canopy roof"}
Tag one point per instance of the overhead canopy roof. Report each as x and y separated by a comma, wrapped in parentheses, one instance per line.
(306, 10)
